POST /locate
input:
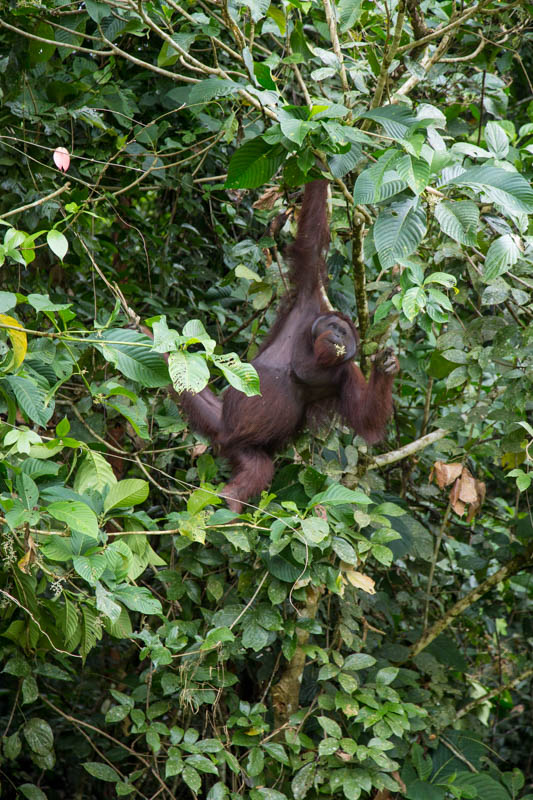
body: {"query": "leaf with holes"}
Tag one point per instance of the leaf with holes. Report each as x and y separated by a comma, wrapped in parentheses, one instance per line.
(241, 376)
(188, 371)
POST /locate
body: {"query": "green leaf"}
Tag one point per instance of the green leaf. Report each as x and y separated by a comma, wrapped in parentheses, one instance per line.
(188, 371)
(503, 253)
(126, 493)
(255, 762)
(192, 779)
(76, 515)
(456, 378)
(459, 220)
(413, 301)
(254, 164)
(31, 791)
(91, 567)
(496, 140)
(122, 347)
(330, 727)
(342, 163)
(39, 735)
(94, 472)
(344, 550)
(509, 189)
(358, 661)
(396, 120)
(217, 636)
(137, 598)
(212, 87)
(303, 781)
(398, 231)
(101, 771)
(315, 530)
(414, 171)
(8, 300)
(57, 243)
(336, 494)
(31, 398)
(240, 375)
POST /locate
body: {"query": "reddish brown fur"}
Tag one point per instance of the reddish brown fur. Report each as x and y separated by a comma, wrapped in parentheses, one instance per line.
(299, 377)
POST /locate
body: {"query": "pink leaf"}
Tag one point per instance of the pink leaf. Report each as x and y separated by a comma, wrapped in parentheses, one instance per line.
(62, 158)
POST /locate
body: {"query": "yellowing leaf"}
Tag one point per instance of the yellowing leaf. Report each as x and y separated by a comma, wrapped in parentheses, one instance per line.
(18, 338)
(360, 581)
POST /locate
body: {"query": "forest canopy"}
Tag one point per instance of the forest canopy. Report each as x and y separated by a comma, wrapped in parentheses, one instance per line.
(364, 628)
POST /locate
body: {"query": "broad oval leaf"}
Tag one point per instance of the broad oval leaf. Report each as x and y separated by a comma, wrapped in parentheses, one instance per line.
(129, 492)
(254, 164)
(31, 398)
(39, 735)
(76, 515)
(414, 171)
(128, 350)
(497, 140)
(58, 243)
(94, 472)
(102, 771)
(188, 371)
(212, 87)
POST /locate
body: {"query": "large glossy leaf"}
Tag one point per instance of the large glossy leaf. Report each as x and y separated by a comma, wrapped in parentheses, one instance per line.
(76, 515)
(31, 399)
(129, 492)
(459, 220)
(399, 230)
(414, 171)
(396, 120)
(94, 472)
(128, 350)
(501, 256)
(508, 189)
(254, 164)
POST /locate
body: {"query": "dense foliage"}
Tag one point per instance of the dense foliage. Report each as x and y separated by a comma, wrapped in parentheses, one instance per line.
(366, 629)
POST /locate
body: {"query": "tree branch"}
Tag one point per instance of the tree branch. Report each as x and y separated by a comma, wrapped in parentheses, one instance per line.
(407, 450)
(512, 566)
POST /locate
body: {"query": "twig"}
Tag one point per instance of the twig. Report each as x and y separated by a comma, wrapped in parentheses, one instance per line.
(37, 202)
(407, 450)
(332, 24)
(390, 52)
(512, 566)
(493, 693)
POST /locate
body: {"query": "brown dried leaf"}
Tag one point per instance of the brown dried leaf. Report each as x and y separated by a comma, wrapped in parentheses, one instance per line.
(457, 505)
(445, 474)
(268, 198)
(198, 450)
(467, 487)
